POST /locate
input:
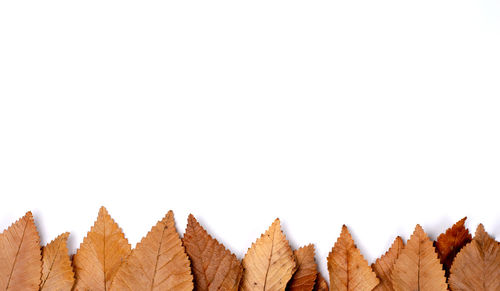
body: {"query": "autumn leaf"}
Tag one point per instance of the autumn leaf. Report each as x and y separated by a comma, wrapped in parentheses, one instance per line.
(100, 255)
(384, 266)
(57, 272)
(269, 263)
(448, 244)
(348, 270)
(477, 265)
(214, 267)
(159, 262)
(304, 278)
(321, 284)
(20, 257)
(418, 266)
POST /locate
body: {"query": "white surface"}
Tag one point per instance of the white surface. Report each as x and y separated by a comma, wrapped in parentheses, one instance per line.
(376, 114)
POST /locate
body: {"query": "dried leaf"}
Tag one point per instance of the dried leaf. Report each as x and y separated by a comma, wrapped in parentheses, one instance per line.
(418, 267)
(477, 266)
(321, 284)
(304, 278)
(20, 257)
(269, 263)
(214, 267)
(448, 244)
(57, 272)
(100, 255)
(348, 270)
(384, 266)
(159, 262)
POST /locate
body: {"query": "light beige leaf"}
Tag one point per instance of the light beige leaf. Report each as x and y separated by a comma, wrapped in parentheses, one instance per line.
(269, 263)
(418, 267)
(384, 265)
(348, 270)
(159, 262)
(477, 265)
(20, 258)
(100, 255)
(305, 276)
(57, 272)
(321, 284)
(214, 267)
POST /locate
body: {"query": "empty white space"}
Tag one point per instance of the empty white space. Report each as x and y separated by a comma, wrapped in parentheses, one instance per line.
(374, 114)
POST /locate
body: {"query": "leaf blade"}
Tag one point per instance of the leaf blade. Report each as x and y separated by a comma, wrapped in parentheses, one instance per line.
(477, 265)
(449, 243)
(214, 267)
(418, 267)
(348, 270)
(384, 266)
(57, 272)
(100, 255)
(159, 262)
(269, 263)
(20, 256)
(304, 278)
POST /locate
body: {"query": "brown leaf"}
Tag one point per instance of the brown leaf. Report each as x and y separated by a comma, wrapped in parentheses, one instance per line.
(214, 267)
(477, 266)
(57, 272)
(418, 267)
(159, 262)
(305, 276)
(348, 270)
(384, 265)
(100, 255)
(448, 244)
(269, 263)
(20, 258)
(321, 284)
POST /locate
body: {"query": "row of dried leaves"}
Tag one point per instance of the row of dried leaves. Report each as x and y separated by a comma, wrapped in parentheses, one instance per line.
(164, 261)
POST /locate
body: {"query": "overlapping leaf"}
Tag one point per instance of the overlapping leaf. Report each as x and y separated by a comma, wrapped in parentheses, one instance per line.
(269, 263)
(214, 267)
(418, 266)
(348, 270)
(57, 272)
(321, 284)
(448, 244)
(384, 266)
(159, 262)
(20, 257)
(477, 266)
(304, 278)
(100, 255)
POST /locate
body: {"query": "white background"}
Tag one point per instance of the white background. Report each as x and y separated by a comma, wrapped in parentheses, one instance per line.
(376, 114)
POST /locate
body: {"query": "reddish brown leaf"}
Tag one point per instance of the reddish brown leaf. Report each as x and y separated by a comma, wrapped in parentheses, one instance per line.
(214, 267)
(448, 244)
(321, 284)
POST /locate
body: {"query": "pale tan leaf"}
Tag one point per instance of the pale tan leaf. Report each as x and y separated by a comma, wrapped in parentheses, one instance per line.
(348, 270)
(214, 267)
(384, 265)
(305, 276)
(57, 272)
(100, 255)
(20, 257)
(321, 284)
(269, 263)
(418, 266)
(159, 262)
(477, 265)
